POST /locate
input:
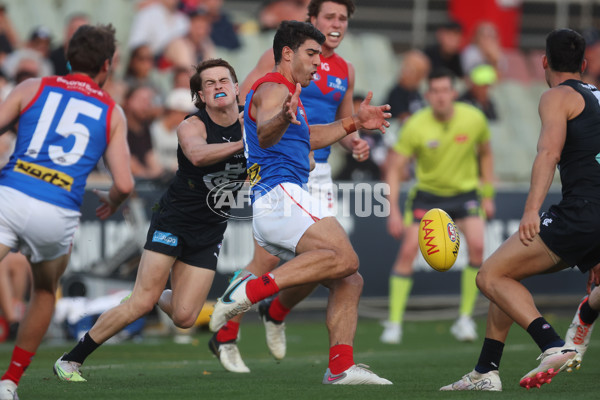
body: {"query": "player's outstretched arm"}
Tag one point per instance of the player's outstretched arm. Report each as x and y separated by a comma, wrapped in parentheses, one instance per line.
(274, 109)
(191, 134)
(117, 158)
(367, 117)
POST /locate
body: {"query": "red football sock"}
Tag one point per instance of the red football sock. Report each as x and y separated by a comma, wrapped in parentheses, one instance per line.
(261, 288)
(278, 311)
(340, 358)
(229, 332)
(18, 364)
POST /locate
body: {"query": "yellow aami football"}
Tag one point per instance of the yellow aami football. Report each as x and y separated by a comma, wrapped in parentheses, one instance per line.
(438, 239)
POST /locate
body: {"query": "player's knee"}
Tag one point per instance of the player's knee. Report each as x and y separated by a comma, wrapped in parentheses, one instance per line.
(140, 307)
(184, 319)
(346, 263)
(483, 281)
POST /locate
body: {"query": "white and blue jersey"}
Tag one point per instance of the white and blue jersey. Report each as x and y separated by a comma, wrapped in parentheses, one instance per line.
(62, 134)
(285, 161)
(323, 96)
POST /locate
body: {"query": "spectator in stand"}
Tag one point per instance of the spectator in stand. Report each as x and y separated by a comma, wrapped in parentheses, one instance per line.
(58, 55)
(140, 69)
(446, 51)
(181, 78)
(591, 74)
(157, 24)
(163, 131)
(480, 80)
(404, 98)
(195, 46)
(9, 39)
(485, 48)
(37, 48)
(223, 33)
(273, 12)
(139, 110)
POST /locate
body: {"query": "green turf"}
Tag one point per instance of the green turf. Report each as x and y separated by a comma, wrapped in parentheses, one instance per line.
(428, 358)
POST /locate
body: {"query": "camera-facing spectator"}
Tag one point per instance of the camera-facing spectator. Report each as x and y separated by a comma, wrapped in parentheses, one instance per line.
(446, 51)
(479, 82)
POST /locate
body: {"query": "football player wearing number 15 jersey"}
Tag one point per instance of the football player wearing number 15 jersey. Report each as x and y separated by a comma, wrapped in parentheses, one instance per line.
(65, 125)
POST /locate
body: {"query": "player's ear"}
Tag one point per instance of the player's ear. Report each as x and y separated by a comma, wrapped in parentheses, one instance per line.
(201, 96)
(544, 61)
(237, 89)
(287, 53)
(584, 65)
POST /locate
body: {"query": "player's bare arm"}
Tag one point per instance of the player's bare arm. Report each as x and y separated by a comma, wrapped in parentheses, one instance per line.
(117, 158)
(16, 101)
(367, 117)
(556, 107)
(191, 134)
(396, 164)
(265, 64)
(274, 109)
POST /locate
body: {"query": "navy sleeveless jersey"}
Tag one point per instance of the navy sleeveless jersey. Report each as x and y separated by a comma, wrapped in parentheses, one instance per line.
(196, 192)
(579, 164)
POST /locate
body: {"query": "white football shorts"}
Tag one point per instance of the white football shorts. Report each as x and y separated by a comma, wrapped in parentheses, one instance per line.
(320, 186)
(282, 215)
(38, 229)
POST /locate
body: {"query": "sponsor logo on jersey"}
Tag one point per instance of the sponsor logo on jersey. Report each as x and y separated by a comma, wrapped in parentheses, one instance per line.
(254, 174)
(165, 238)
(45, 174)
(336, 83)
(462, 138)
(432, 144)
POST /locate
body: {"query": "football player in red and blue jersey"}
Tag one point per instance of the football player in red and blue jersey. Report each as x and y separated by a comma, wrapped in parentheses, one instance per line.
(66, 123)
(327, 98)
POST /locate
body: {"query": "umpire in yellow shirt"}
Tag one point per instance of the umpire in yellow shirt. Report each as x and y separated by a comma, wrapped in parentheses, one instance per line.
(450, 142)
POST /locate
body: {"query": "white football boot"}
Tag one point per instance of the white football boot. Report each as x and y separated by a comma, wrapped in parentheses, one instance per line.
(464, 329)
(357, 374)
(274, 331)
(553, 360)
(579, 333)
(490, 381)
(233, 302)
(8, 390)
(392, 333)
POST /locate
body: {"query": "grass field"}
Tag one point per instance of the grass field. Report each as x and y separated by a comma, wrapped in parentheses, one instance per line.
(428, 358)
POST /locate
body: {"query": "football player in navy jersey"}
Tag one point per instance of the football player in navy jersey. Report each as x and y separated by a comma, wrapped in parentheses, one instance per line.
(566, 235)
(66, 123)
(188, 223)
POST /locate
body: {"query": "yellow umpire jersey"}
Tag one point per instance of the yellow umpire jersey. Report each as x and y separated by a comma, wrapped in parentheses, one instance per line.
(446, 152)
